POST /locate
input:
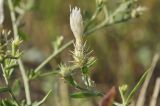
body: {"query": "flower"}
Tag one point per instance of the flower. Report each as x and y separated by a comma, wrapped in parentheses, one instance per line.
(76, 23)
(1, 12)
(77, 27)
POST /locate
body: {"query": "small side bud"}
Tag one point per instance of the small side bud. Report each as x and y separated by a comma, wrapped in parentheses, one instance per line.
(64, 70)
(15, 45)
(16, 42)
(138, 11)
(123, 88)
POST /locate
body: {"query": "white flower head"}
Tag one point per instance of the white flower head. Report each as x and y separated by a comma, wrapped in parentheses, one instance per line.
(1, 12)
(76, 23)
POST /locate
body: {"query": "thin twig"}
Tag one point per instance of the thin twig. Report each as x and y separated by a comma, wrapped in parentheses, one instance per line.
(155, 93)
(92, 18)
(49, 73)
(141, 98)
(109, 20)
(54, 54)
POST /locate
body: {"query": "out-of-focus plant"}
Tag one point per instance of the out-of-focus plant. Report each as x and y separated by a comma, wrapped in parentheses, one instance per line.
(125, 11)
(127, 97)
(10, 55)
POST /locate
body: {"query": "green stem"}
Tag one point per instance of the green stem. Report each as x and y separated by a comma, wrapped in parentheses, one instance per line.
(122, 97)
(101, 25)
(13, 18)
(92, 19)
(49, 73)
(109, 20)
(23, 73)
(54, 54)
(26, 82)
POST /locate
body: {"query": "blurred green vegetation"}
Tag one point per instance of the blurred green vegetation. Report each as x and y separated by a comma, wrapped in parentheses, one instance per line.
(123, 51)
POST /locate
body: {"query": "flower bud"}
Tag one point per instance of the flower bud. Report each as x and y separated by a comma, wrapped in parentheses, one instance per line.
(15, 45)
(123, 88)
(76, 24)
(64, 70)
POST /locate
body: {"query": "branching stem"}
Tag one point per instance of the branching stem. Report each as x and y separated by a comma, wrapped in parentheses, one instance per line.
(23, 72)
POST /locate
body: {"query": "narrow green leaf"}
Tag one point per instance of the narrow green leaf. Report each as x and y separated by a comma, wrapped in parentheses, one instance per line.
(71, 80)
(4, 89)
(84, 94)
(8, 102)
(142, 79)
(137, 86)
(16, 87)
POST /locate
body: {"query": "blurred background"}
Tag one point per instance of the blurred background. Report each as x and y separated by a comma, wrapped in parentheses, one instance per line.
(124, 51)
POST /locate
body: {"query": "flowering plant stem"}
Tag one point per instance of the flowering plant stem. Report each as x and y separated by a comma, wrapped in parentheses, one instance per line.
(23, 73)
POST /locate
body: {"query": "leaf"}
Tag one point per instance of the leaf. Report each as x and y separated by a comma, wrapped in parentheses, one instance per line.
(4, 89)
(16, 87)
(84, 94)
(85, 70)
(137, 86)
(7, 102)
(108, 98)
(71, 80)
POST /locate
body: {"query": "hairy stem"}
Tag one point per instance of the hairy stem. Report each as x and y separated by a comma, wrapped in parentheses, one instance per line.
(25, 81)
(23, 73)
